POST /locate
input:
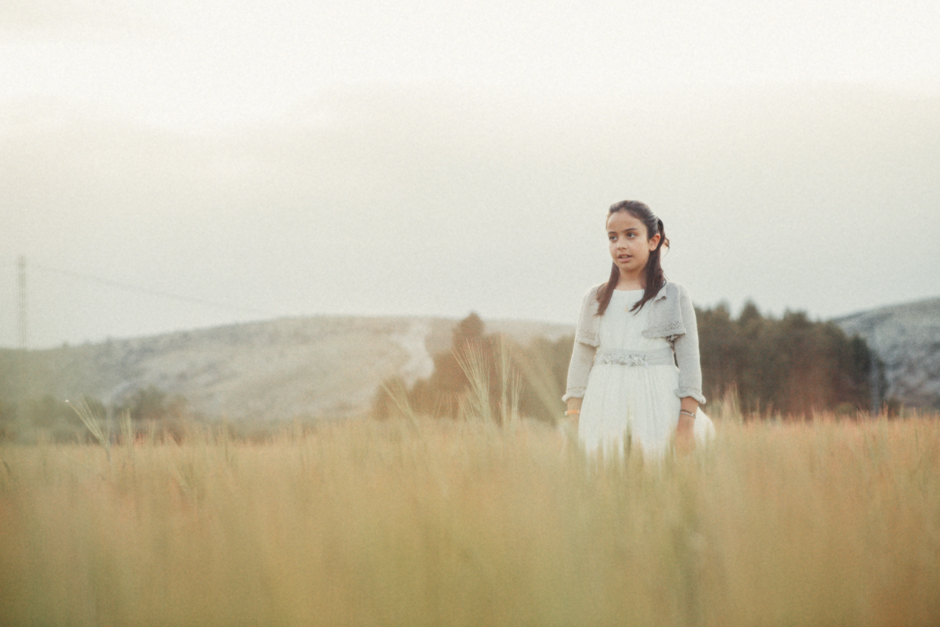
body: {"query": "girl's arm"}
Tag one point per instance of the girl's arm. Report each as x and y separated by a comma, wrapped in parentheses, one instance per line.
(582, 353)
(582, 359)
(687, 355)
(690, 372)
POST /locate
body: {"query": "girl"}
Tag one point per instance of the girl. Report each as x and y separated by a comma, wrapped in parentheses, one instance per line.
(633, 331)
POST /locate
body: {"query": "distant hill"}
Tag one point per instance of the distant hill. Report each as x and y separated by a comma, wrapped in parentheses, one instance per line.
(907, 338)
(321, 366)
(331, 366)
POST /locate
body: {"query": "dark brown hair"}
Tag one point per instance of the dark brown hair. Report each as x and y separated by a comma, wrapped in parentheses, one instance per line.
(655, 279)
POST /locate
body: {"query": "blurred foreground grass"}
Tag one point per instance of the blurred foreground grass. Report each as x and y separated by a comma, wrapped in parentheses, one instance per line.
(470, 523)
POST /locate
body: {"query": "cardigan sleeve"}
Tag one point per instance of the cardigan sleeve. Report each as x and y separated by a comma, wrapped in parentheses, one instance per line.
(588, 321)
(582, 359)
(687, 352)
(585, 346)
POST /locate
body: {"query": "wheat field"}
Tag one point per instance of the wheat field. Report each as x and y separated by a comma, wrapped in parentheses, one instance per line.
(440, 522)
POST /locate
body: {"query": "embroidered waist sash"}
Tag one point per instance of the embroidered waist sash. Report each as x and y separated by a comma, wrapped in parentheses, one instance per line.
(626, 357)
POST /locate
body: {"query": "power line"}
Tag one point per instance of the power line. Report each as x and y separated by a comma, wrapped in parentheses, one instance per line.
(128, 287)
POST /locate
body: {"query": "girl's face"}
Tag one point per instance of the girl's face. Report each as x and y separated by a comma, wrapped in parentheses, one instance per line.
(629, 246)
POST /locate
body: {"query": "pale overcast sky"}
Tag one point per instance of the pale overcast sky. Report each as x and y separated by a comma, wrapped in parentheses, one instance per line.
(417, 157)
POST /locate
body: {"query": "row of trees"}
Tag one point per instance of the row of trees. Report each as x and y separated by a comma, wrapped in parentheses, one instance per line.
(789, 365)
(533, 374)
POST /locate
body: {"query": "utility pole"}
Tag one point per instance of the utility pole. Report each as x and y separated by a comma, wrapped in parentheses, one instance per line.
(22, 328)
(23, 345)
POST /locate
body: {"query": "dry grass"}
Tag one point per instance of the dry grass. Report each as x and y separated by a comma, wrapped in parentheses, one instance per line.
(417, 522)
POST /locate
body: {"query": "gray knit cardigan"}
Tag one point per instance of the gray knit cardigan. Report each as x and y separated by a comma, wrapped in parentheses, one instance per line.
(671, 316)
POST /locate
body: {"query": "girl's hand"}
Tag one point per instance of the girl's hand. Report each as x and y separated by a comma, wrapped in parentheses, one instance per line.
(568, 431)
(685, 442)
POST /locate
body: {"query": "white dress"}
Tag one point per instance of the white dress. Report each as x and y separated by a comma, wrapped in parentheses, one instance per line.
(636, 400)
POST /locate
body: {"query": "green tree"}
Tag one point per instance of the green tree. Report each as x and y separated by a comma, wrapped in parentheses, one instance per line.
(790, 365)
(151, 404)
(441, 393)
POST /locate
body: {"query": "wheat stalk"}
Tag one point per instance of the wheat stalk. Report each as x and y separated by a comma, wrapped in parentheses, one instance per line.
(93, 424)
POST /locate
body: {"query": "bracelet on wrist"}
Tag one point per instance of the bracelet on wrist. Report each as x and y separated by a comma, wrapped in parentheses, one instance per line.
(573, 412)
(686, 412)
